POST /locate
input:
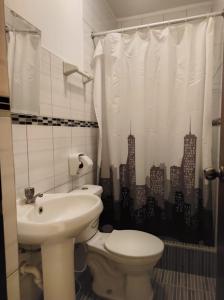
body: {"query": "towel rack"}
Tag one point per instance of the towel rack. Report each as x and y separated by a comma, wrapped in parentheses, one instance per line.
(69, 69)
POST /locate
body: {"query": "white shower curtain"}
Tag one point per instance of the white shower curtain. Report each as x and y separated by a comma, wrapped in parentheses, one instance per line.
(154, 101)
(24, 72)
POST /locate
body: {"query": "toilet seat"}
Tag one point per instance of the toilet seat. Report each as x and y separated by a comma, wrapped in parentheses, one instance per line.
(133, 244)
(125, 246)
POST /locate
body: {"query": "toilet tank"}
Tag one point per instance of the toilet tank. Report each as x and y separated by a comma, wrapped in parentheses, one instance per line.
(92, 228)
(93, 189)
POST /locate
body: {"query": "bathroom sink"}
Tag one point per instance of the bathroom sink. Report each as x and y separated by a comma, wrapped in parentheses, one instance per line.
(53, 222)
(56, 216)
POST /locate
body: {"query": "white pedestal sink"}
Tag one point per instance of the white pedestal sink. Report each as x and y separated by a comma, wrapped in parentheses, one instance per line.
(53, 222)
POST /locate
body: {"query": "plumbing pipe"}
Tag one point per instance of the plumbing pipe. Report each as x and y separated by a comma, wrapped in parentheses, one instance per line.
(25, 268)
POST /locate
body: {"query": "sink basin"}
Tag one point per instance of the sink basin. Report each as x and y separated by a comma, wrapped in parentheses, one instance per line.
(54, 222)
(56, 216)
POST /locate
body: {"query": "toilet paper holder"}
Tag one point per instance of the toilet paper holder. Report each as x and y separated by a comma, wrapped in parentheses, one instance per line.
(79, 164)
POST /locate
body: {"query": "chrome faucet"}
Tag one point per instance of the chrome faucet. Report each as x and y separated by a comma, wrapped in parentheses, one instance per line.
(29, 194)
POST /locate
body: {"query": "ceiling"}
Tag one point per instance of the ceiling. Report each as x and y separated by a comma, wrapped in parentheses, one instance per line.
(127, 8)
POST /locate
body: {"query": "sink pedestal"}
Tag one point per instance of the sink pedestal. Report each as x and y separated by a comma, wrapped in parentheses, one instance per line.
(58, 270)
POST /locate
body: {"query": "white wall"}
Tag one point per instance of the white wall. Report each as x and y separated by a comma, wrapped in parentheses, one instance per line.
(168, 14)
(97, 16)
(218, 4)
(60, 22)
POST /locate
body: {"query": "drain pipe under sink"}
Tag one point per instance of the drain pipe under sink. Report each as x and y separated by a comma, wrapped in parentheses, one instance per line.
(25, 268)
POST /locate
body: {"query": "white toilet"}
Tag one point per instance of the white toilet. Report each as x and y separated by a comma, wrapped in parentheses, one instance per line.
(121, 262)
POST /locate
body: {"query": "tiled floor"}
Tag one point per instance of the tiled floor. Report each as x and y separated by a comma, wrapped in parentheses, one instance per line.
(168, 285)
(172, 285)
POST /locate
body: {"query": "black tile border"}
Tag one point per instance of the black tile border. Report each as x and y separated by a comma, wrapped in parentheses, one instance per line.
(4, 103)
(23, 119)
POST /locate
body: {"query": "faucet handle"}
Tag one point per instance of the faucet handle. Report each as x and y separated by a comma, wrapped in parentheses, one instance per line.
(29, 192)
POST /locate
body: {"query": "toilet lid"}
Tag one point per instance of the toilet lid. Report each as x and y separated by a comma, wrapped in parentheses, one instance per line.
(133, 243)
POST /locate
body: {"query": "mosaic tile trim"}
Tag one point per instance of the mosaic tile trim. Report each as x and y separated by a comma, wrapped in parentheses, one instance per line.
(4, 103)
(48, 121)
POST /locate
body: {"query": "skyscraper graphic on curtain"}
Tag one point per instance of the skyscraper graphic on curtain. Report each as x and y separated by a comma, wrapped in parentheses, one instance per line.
(169, 208)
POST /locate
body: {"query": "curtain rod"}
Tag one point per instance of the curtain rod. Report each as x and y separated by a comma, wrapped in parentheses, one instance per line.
(8, 29)
(175, 21)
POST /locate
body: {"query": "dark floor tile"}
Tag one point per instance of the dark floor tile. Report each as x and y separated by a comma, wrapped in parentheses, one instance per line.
(167, 285)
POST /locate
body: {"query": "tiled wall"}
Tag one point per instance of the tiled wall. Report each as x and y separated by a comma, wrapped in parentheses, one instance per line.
(180, 12)
(41, 152)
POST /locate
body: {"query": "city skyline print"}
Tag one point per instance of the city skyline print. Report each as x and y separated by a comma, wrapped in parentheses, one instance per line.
(167, 206)
(153, 177)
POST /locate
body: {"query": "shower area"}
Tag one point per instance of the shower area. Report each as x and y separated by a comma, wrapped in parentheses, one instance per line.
(157, 96)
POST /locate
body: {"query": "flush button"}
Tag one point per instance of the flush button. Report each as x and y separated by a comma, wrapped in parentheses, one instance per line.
(84, 188)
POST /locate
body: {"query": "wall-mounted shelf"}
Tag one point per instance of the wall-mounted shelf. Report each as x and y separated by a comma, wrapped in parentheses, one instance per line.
(69, 69)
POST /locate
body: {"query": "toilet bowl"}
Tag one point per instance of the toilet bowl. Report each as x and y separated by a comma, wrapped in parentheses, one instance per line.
(120, 262)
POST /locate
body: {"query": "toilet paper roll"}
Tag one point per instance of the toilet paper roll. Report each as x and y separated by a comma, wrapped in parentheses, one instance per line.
(86, 164)
(74, 163)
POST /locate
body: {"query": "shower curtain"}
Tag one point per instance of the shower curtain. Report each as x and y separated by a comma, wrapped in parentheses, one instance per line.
(24, 71)
(155, 95)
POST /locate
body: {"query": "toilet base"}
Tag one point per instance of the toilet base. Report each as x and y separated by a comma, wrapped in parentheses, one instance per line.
(109, 282)
(138, 287)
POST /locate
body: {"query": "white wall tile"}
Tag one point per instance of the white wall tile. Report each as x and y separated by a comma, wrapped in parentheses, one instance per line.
(62, 150)
(77, 100)
(46, 110)
(60, 98)
(65, 188)
(40, 156)
(78, 140)
(56, 67)
(60, 90)
(20, 158)
(45, 61)
(45, 88)
(61, 112)
(45, 84)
